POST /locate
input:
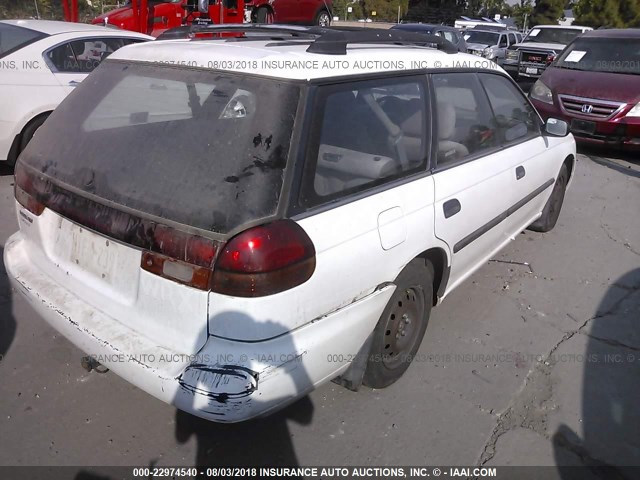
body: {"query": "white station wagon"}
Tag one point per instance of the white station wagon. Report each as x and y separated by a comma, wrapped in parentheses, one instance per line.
(228, 223)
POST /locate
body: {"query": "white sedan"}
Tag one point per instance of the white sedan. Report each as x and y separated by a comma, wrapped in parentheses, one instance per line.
(41, 61)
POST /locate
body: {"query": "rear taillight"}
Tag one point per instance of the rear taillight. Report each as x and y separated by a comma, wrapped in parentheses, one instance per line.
(550, 58)
(26, 190)
(264, 260)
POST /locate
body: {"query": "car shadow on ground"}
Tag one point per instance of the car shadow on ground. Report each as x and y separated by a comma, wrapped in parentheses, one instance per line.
(7, 322)
(256, 443)
(614, 159)
(5, 169)
(261, 442)
(610, 419)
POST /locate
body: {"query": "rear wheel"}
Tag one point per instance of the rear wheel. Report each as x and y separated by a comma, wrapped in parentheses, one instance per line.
(322, 19)
(402, 325)
(552, 209)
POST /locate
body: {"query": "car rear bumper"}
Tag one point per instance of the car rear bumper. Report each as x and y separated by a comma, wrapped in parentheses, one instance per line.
(622, 133)
(226, 380)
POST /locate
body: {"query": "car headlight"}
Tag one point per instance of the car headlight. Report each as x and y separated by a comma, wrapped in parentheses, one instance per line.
(488, 53)
(541, 92)
(634, 112)
(512, 55)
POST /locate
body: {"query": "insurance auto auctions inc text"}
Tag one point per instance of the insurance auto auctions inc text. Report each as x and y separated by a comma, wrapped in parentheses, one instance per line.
(376, 472)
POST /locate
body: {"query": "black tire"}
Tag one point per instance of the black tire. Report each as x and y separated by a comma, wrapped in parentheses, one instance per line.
(264, 15)
(30, 130)
(323, 19)
(401, 327)
(551, 210)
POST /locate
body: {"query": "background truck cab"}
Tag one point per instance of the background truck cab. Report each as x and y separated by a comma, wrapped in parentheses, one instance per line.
(153, 17)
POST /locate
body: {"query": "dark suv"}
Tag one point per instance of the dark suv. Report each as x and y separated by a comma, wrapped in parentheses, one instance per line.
(449, 33)
(595, 85)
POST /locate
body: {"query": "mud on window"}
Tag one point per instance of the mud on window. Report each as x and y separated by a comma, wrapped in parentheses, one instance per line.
(200, 148)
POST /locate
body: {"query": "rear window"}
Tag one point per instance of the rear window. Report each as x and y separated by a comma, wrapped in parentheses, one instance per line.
(13, 38)
(200, 148)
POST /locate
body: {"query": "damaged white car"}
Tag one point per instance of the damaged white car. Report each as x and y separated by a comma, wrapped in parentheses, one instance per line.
(228, 224)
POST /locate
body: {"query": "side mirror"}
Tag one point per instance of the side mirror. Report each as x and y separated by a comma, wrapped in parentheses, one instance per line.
(556, 128)
(203, 6)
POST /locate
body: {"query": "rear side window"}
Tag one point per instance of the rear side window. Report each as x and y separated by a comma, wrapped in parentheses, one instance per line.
(13, 38)
(466, 125)
(452, 37)
(367, 134)
(196, 147)
(515, 118)
(83, 56)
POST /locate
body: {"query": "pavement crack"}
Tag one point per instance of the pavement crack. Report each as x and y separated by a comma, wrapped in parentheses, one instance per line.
(528, 408)
(604, 226)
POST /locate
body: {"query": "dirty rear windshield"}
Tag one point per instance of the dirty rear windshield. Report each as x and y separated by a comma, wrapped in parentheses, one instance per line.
(200, 148)
(13, 38)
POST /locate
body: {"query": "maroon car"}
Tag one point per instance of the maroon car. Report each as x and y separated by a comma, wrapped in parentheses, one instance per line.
(595, 86)
(304, 12)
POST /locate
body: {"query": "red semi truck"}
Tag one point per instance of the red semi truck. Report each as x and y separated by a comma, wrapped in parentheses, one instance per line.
(153, 17)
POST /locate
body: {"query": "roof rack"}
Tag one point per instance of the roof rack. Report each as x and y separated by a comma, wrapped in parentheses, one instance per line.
(323, 40)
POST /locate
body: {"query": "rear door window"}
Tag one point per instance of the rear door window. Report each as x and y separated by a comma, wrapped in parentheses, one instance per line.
(368, 134)
(200, 148)
(83, 56)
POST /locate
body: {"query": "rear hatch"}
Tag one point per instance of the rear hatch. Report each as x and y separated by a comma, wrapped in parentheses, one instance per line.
(145, 163)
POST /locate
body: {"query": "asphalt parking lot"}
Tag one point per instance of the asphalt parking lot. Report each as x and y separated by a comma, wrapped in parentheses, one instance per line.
(533, 361)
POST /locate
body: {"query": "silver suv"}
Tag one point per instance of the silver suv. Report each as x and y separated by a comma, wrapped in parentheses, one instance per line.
(491, 44)
(539, 48)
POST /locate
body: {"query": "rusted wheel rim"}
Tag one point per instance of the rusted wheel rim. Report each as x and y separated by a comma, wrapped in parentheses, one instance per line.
(403, 326)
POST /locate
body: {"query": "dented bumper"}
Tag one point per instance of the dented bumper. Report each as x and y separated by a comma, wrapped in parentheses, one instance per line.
(224, 381)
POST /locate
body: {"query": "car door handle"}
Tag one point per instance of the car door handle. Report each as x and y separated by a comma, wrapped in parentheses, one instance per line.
(74, 83)
(520, 172)
(451, 207)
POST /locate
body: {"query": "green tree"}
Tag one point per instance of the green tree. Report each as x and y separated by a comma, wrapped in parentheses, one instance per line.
(435, 11)
(340, 9)
(597, 13)
(548, 12)
(523, 11)
(386, 10)
(630, 13)
(608, 13)
(46, 9)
